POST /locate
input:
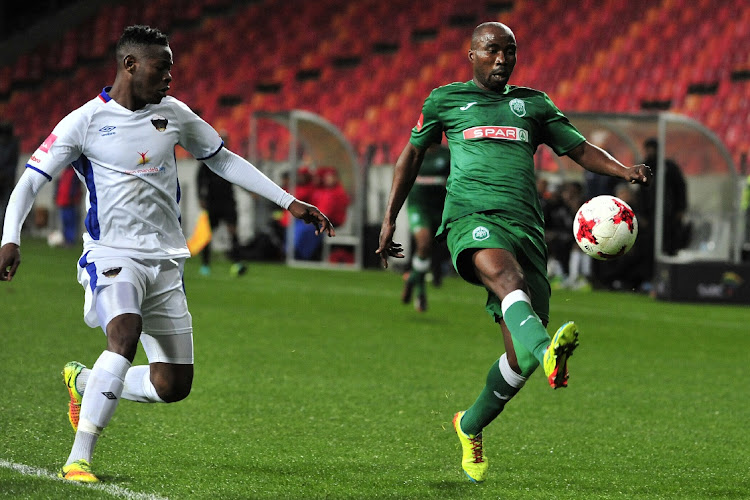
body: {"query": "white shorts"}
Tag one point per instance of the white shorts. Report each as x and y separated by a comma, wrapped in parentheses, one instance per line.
(167, 335)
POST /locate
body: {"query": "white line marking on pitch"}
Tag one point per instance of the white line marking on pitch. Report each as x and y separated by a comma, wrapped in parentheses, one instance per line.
(112, 489)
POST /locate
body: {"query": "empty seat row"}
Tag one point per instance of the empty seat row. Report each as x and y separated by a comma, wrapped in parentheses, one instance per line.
(367, 66)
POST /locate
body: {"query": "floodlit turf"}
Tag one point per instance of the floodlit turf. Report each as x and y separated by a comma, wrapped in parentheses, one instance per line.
(320, 384)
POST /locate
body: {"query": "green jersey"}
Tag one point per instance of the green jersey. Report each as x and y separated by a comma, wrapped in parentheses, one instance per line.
(492, 138)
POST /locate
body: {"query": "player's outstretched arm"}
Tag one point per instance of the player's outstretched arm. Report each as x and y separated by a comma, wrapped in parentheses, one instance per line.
(595, 159)
(404, 174)
(311, 215)
(10, 259)
(238, 170)
(21, 201)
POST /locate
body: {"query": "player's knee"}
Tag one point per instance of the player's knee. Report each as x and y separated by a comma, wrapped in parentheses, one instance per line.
(173, 392)
(504, 279)
(172, 382)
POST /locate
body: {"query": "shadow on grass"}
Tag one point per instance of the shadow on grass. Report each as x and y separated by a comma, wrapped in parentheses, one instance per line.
(452, 488)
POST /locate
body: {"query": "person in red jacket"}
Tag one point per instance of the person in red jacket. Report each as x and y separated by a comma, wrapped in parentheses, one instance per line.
(331, 194)
(68, 201)
(328, 192)
(304, 184)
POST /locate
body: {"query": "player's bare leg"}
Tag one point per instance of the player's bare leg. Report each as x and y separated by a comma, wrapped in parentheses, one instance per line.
(157, 382)
(99, 402)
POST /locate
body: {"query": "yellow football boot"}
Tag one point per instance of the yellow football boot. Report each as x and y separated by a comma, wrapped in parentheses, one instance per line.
(79, 471)
(70, 373)
(473, 462)
(556, 357)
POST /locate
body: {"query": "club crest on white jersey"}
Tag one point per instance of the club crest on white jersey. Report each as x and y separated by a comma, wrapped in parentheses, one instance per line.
(159, 123)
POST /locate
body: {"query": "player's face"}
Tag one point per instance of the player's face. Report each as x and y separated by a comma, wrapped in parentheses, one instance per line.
(493, 56)
(152, 75)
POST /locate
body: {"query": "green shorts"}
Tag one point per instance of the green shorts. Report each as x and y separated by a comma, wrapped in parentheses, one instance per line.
(421, 217)
(488, 230)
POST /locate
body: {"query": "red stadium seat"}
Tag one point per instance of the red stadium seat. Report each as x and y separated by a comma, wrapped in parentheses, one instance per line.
(614, 55)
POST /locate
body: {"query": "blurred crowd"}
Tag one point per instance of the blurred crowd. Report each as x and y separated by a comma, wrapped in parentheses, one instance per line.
(568, 267)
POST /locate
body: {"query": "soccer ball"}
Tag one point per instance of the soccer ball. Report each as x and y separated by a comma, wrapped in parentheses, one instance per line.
(605, 227)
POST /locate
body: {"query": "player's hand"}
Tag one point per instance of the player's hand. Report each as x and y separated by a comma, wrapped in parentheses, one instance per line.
(388, 247)
(640, 174)
(311, 215)
(10, 259)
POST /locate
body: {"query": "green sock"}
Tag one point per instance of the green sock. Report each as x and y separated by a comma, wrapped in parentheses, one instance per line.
(417, 279)
(526, 361)
(524, 324)
(502, 384)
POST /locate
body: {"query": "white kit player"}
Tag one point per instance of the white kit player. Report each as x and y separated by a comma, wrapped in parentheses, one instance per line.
(121, 144)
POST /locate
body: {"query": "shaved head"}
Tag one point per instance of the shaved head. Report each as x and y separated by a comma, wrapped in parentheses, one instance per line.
(493, 55)
(481, 31)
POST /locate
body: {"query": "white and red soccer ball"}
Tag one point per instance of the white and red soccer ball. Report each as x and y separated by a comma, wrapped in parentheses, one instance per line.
(605, 227)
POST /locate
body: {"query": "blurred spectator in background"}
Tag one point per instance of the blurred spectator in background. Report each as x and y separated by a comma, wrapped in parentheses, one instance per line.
(557, 230)
(542, 189)
(597, 184)
(327, 191)
(304, 184)
(305, 242)
(424, 206)
(578, 264)
(269, 239)
(676, 231)
(303, 189)
(68, 201)
(216, 196)
(634, 270)
(8, 163)
(331, 194)
(566, 266)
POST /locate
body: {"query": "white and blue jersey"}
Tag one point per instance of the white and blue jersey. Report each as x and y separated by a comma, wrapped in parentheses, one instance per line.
(127, 161)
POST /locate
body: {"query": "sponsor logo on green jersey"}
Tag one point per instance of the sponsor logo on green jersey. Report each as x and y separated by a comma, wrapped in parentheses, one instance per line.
(496, 132)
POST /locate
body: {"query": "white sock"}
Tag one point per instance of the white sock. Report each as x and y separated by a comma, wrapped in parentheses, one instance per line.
(513, 297)
(511, 377)
(99, 402)
(83, 446)
(586, 266)
(82, 379)
(574, 265)
(138, 386)
(421, 265)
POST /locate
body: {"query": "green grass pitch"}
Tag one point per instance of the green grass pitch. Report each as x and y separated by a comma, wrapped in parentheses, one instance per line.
(320, 384)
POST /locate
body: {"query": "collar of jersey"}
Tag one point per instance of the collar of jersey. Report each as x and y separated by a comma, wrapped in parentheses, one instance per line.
(104, 96)
(506, 90)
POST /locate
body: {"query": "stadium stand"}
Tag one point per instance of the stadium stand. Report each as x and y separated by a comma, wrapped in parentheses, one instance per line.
(367, 66)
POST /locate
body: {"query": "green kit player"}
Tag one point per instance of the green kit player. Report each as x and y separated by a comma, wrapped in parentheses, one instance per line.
(492, 218)
(425, 209)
